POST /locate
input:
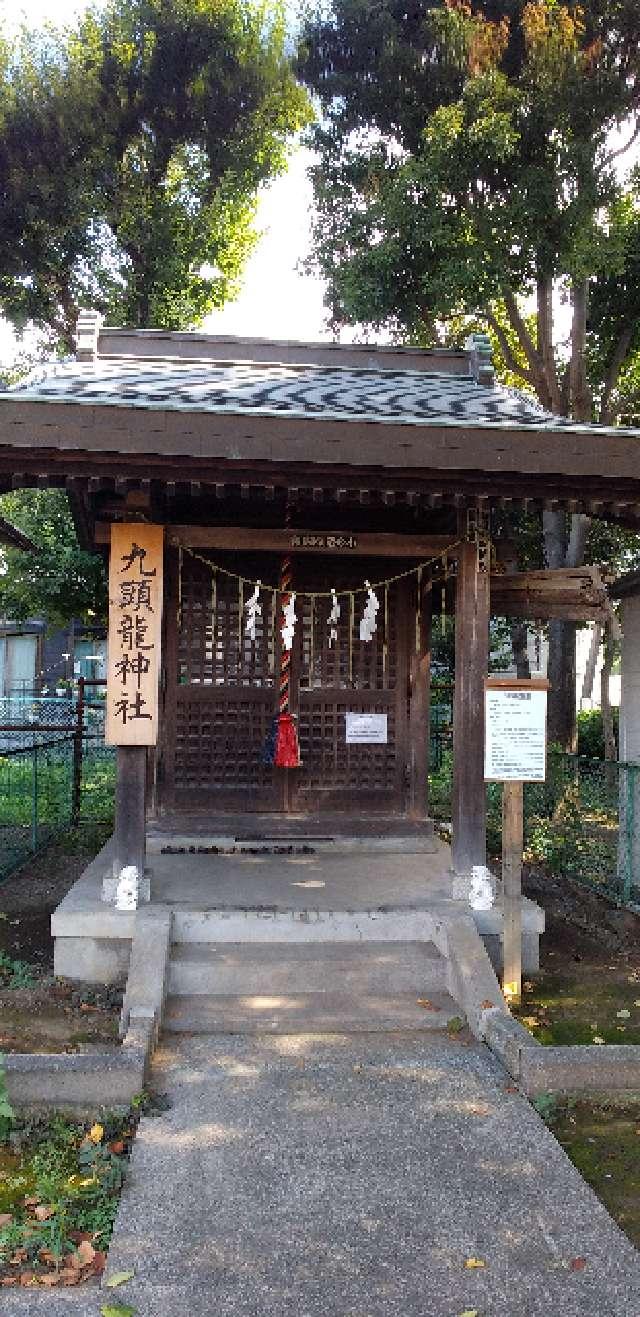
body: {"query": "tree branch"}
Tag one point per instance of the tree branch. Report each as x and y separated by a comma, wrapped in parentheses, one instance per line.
(511, 361)
(528, 347)
(620, 150)
(612, 374)
(580, 400)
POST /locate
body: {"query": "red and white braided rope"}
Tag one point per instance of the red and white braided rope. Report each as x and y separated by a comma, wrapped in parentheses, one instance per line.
(286, 577)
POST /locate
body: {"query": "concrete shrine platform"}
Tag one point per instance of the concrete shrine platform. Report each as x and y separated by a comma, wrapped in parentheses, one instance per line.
(305, 890)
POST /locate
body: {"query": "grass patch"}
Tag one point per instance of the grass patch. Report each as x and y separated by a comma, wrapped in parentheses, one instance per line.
(565, 1008)
(60, 1183)
(603, 1141)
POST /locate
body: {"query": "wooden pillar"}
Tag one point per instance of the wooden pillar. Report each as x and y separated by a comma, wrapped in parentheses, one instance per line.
(471, 658)
(135, 633)
(512, 841)
(419, 705)
(131, 784)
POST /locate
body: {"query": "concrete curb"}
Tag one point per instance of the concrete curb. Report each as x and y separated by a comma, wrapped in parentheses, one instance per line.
(76, 1082)
(581, 1069)
(471, 979)
(146, 988)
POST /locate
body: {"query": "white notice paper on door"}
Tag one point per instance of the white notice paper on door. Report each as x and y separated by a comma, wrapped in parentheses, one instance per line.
(366, 728)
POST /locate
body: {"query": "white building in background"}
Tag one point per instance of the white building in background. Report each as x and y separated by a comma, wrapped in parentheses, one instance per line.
(588, 664)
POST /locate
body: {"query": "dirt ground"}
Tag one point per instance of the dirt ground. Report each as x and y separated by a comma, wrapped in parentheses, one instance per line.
(29, 896)
(588, 991)
(37, 1012)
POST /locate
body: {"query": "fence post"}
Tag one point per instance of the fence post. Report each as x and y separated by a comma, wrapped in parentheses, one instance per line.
(34, 800)
(78, 737)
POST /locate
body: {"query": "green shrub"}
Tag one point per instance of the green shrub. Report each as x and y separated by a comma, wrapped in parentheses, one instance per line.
(590, 733)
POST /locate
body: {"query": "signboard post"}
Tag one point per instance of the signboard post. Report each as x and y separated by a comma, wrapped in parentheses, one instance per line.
(515, 753)
(133, 668)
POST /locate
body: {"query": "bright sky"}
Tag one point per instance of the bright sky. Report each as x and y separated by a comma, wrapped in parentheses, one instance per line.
(277, 300)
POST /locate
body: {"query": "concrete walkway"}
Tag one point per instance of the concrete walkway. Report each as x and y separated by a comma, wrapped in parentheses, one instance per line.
(352, 1176)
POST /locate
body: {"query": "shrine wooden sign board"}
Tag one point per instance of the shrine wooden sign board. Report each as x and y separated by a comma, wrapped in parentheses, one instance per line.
(515, 730)
(135, 617)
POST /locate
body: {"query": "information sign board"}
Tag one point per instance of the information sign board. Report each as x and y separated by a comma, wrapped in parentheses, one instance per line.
(515, 732)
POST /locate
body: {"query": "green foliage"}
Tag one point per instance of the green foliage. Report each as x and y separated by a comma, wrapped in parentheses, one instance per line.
(15, 973)
(546, 1105)
(7, 1114)
(590, 733)
(59, 582)
(571, 821)
(465, 163)
(132, 147)
(69, 1169)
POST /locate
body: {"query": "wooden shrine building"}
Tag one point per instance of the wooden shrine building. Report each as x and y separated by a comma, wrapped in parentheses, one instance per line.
(370, 472)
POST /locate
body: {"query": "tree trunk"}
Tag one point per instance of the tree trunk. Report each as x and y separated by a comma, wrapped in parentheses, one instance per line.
(610, 751)
(519, 636)
(565, 544)
(561, 670)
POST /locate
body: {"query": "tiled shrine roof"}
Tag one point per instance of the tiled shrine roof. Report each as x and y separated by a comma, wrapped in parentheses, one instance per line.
(399, 396)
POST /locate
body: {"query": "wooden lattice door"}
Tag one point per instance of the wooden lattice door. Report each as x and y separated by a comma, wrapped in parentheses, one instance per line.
(350, 676)
(222, 691)
(225, 693)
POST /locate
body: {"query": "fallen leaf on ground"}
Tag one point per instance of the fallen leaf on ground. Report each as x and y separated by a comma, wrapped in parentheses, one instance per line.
(117, 1310)
(469, 1312)
(95, 1133)
(43, 1213)
(99, 1263)
(428, 1005)
(86, 1253)
(50, 1278)
(577, 1264)
(30, 1201)
(119, 1278)
(8, 1280)
(472, 1263)
(597, 1039)
(70, 1276)
(623, 1015)
(511, 1088)
(5, 1219)
(486, 1005)
(116, 1147)
(27, 1278)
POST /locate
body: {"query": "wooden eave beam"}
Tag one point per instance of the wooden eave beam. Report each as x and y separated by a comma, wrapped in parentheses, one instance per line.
(252, 437)
(365, 543)
(575, 594)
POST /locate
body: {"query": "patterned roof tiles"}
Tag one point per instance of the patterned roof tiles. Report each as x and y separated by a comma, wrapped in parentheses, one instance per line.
(400, 396)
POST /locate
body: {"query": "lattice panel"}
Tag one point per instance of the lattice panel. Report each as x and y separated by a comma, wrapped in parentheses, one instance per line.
(213, 648)
(349, 663)
(219, 743)
(329, 764)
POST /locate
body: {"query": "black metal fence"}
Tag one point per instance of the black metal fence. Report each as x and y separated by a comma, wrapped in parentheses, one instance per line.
(583, 821)
(55, 771)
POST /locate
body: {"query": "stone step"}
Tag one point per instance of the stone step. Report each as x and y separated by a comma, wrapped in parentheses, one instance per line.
(199, 968)
(306, 926)
(309, 1012)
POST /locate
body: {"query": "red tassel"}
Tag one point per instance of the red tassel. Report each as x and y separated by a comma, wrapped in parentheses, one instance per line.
(287, 753)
